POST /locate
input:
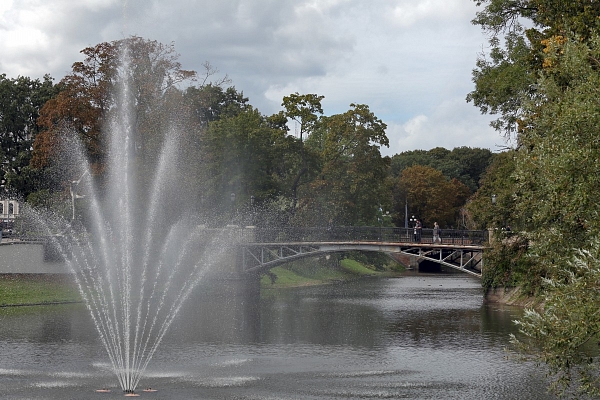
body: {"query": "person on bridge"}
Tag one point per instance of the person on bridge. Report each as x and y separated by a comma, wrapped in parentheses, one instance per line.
(436, 233)
(418, 229)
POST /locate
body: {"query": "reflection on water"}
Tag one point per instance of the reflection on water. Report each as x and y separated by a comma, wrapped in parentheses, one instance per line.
(417, 337)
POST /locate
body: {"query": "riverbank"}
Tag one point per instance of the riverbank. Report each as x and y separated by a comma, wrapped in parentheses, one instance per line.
(309, 273)
(511, 297)
(42, 289)
(37, 289)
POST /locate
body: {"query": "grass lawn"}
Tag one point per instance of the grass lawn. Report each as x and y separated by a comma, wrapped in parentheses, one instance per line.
(356, 268)
(313, 273)
(17, 289)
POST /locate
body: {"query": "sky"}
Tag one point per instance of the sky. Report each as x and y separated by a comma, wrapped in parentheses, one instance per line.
(410, 61)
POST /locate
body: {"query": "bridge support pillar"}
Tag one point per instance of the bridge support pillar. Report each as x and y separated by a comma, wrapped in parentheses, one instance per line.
(414, 262)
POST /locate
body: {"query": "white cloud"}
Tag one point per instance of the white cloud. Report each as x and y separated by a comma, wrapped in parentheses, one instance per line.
(453, 123)
(409, 13)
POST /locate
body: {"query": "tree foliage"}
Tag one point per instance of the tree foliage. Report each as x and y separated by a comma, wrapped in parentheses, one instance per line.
(93, 90)
(498, 182)
(305, 110)
(550, 99)
(306, 167)
(566, 333)
(351, 183)
(463, 163)
(431, 197)
(507, 76)
(557, 172)
(242, 159)
(20, 102)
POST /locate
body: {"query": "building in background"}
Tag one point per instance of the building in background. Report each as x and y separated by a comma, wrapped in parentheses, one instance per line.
(9, 210)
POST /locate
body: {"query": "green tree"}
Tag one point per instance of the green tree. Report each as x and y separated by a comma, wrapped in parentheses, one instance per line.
(498, 182)
(351, 185)
(558, 183)
(507, 77)
(20, 102)
(211, 102)
(472, 163)
(463, 163)
(304, 110)
(557, 172)
(241, 156)
(565, 334)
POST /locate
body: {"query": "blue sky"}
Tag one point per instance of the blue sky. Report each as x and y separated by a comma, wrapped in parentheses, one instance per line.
(409, 60)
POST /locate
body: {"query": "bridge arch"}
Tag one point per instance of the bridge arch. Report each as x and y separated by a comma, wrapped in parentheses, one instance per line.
(260, 257)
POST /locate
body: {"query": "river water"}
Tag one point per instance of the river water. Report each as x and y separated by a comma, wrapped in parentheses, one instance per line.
(419, 336)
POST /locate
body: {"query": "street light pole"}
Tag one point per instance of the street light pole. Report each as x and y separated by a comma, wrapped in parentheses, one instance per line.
(252, 210)
(406, 213)
(73, 189)
(413, 222)
(232, 197)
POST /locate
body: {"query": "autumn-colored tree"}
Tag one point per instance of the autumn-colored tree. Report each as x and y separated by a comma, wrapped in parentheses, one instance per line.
(430, 196)
(93, 89)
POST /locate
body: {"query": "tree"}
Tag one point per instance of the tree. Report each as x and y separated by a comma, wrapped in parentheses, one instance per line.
(304, 110)
(20, 102)
(472, 163)
(212, 102)
(351, 185)
(430, 196)
(508, 77)
(557, 180)
(557, 170)
(500, 183)
(565, 334)
(92, 91)
(241, 157)
(463, 163)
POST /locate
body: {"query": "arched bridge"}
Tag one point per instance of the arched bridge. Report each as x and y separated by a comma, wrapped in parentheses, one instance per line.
(265, 248)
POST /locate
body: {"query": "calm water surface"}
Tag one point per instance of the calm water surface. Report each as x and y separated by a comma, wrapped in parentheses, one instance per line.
(414, 337)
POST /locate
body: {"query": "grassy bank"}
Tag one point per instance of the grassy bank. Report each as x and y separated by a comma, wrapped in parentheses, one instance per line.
(318, 272)
(29, 289)
(17, 290)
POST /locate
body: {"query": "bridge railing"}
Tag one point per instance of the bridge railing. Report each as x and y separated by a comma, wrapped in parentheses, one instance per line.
(367, 234)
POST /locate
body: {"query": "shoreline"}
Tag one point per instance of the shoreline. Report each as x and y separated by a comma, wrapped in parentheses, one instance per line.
(511, 297)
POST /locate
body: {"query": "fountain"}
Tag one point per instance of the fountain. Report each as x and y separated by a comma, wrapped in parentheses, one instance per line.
(134, 263)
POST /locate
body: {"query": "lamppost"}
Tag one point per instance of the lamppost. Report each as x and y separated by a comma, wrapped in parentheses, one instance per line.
(232, 197)
(406, 213)
(73, 189)
(413, 222)
(252, 210)
(387, 214)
